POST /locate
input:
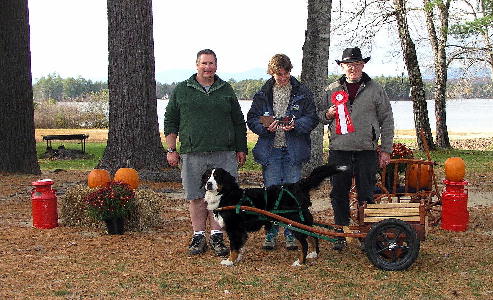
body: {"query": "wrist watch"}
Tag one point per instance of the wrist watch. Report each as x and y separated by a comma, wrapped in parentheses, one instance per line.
(171, 150)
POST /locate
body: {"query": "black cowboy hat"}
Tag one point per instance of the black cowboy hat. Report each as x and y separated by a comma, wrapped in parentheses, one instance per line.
(351, 55)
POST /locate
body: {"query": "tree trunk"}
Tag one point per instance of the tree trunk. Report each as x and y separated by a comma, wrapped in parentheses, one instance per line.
(17, 142)
(485, 32)
(438, 44)
(133, 136)
(315, 68)
(420, 110)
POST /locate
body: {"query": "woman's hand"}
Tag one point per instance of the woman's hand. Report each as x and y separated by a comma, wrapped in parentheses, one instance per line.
(288, 127)
(273, 126)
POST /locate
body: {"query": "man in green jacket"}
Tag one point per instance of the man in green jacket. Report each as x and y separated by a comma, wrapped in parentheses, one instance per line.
(204, 112)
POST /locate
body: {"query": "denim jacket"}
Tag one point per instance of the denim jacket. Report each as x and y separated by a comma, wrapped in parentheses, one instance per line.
(301, 106)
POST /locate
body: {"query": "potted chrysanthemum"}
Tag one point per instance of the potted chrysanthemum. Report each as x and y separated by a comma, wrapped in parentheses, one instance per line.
(111, 204)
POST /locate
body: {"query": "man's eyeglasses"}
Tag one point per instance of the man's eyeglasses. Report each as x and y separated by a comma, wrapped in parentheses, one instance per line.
(353, 65)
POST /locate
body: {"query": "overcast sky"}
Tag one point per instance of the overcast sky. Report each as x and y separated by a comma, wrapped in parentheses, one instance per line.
(69, 37)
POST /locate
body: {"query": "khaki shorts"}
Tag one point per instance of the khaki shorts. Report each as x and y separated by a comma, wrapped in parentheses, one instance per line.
(194, 165)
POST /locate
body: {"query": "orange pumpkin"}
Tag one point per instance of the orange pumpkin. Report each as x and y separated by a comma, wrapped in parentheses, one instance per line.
(455, 169)
(424, 180)
(128, 176)
(98, 177)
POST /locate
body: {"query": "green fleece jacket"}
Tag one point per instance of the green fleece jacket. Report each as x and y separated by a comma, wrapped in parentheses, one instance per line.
(206, 121)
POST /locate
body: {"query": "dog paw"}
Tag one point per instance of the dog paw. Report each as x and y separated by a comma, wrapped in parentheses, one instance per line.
(226, 262)
(296, 263)
(312, 255)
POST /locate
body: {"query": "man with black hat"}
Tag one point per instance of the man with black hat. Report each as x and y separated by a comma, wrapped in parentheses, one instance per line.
(358, 113)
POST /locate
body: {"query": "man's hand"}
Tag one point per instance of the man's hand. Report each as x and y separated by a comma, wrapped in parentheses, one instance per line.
(331, 112)
(241, 158)
(173, 158)
(383, 159)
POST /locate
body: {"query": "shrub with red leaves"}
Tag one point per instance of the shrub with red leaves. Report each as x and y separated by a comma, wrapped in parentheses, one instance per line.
(401, 151)
(113, 200)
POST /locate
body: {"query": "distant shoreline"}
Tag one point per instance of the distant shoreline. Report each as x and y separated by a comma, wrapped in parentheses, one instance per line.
(101, 135)
(411, 133)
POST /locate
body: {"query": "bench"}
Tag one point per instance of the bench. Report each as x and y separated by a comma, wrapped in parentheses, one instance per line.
(66, 137)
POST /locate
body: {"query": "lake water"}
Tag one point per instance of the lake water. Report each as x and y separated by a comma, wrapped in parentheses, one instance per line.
(463, 115)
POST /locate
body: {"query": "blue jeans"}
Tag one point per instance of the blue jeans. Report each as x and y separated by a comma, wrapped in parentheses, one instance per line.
(279, 171)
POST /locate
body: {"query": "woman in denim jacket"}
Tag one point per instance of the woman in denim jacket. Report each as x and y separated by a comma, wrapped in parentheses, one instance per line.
(282, 115)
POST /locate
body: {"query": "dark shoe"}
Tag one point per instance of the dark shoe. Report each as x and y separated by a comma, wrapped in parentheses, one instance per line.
(340, 243)
(217, 244)
(290, 242)
(198, 244)
(269, 242)
(270, 237)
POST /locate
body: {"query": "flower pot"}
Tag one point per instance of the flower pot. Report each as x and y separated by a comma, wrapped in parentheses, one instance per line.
(115, 225)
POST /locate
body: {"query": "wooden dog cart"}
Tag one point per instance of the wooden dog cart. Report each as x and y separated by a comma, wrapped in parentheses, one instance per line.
(390, 244)
(390, 230)
(397, 198)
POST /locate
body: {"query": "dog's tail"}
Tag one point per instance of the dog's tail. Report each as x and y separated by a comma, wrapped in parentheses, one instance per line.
(319, 174)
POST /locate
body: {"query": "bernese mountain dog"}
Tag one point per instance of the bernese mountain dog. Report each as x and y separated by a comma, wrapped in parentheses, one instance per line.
(291, 201)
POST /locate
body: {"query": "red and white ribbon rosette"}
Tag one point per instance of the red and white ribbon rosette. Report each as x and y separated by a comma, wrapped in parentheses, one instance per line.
(344, 124)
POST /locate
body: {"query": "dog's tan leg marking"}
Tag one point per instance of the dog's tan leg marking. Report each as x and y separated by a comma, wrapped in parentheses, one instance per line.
(312, 244)
(349, 240)
(233, 257)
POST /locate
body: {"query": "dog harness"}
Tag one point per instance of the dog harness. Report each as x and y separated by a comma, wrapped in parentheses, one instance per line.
(247, 200)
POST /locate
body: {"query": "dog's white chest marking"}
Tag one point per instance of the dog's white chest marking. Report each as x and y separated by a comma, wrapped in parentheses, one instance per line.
(212, 199)
(211, 195)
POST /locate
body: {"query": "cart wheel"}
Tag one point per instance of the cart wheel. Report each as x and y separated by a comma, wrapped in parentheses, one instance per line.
(392, 245)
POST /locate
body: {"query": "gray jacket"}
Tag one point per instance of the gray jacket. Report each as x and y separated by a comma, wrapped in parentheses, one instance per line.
(371, 114)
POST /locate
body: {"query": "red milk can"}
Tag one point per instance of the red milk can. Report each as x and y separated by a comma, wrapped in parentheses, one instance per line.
(44, 207)
(455, 216)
